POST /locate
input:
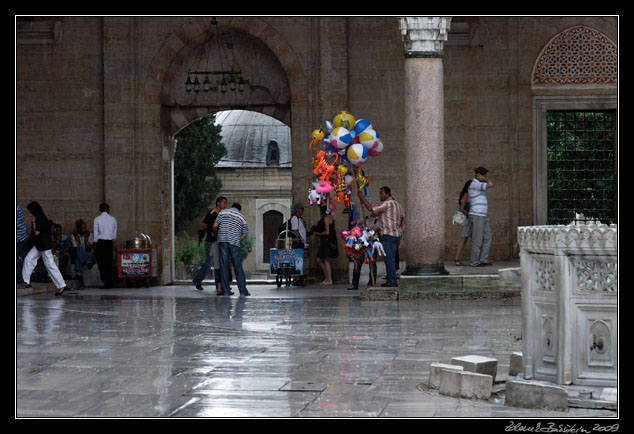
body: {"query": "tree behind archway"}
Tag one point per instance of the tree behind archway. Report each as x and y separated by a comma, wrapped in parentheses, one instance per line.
(199, 149)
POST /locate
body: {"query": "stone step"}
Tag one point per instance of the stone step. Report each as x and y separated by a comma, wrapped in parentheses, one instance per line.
(46, 287)
(90, 279)
(448, 286)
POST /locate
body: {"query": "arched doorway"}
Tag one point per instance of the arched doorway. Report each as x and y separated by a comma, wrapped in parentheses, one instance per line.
(275, 85)
(262, 189)
(271, 221)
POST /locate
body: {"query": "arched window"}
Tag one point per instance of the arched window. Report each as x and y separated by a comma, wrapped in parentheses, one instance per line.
(579, 55)
(273, 154)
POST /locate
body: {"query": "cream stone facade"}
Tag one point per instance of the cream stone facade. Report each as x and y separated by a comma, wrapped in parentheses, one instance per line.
(99, 101)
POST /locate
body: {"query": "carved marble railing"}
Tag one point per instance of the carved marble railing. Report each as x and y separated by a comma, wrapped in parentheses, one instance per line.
(569, 303)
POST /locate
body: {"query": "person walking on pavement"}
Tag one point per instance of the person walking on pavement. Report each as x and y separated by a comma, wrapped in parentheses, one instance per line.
(481, 231)
(231, 228)
(20, 237)
(211, 247)
(41, 240)
(104, 233)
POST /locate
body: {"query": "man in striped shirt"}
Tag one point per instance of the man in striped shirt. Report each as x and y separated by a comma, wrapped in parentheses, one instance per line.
(478, 207)
(232, 229)
(392, 218)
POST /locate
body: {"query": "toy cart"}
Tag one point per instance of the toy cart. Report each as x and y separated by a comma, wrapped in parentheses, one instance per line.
(289, 260)
(137, 264)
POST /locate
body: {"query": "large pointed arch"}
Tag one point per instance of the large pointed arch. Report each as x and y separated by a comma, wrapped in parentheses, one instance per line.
(178, 46)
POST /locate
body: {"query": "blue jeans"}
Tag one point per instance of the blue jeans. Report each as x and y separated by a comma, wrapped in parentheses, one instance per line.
(390, 245)
(83, 257)
(358, 263)
(229, 252)
(209, 262)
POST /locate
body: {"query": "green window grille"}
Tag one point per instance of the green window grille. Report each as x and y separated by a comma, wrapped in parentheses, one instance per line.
(581, 151)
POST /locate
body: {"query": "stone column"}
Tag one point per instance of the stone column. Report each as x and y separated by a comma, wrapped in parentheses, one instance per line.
(423, 38)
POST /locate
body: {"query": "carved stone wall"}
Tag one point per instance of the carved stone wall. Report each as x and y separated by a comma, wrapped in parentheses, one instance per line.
(569, 303)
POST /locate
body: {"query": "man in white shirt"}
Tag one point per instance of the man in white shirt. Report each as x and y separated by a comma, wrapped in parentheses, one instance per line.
(297, 222)
(105, 232)
(478, 207)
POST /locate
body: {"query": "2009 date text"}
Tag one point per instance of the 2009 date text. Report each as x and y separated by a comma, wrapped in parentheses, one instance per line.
(552, 427)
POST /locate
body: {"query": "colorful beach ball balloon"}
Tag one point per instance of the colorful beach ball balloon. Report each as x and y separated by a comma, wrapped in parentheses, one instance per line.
(340, 138)
(357, 154)
(362, 125)
(369, 138)
(376, 151)
(344, 119)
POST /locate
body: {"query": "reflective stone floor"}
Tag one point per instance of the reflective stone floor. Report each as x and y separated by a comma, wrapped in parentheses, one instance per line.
(174, 351)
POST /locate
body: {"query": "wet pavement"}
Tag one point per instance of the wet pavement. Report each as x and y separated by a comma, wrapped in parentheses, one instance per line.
(174, 351)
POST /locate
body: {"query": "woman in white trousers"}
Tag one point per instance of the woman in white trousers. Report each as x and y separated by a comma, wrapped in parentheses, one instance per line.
(42, 242)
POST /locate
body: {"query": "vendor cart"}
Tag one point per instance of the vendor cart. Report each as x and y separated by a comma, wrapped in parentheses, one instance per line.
(137, 261)
(289, 259)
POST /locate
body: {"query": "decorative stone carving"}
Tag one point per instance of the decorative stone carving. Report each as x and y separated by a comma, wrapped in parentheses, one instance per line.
(569, 303)
(545, 274)
(579, 55)
(547, 239)
(424, 36)
(595, 275)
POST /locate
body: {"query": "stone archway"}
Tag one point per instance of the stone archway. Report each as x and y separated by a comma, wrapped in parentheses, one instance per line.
(170, 114)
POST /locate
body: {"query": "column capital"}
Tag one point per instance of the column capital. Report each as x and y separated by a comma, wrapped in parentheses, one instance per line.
(424, 36)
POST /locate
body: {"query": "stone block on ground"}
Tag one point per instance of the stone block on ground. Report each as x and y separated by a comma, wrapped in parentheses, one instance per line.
(476, 386)
(477, 364)
(511, 276)
(450, 382)
(515, 367)
(531, 394)
(554, 397)
(436, 371)
(463, 384)
(523, 394)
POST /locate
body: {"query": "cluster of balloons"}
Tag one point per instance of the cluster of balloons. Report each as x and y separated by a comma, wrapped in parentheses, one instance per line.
(354, 140)
(347, 144)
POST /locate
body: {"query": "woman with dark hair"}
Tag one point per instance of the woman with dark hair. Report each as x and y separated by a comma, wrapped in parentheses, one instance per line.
(41, 242)
(465, 226)
(328, 247)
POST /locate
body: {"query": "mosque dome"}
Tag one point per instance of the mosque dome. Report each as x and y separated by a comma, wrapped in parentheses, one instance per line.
(254, 140)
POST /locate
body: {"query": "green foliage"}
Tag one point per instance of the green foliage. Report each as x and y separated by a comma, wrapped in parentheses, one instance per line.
(581, 165)
(246, 245)
(199, 148)
(189, 252)
(192, 254)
